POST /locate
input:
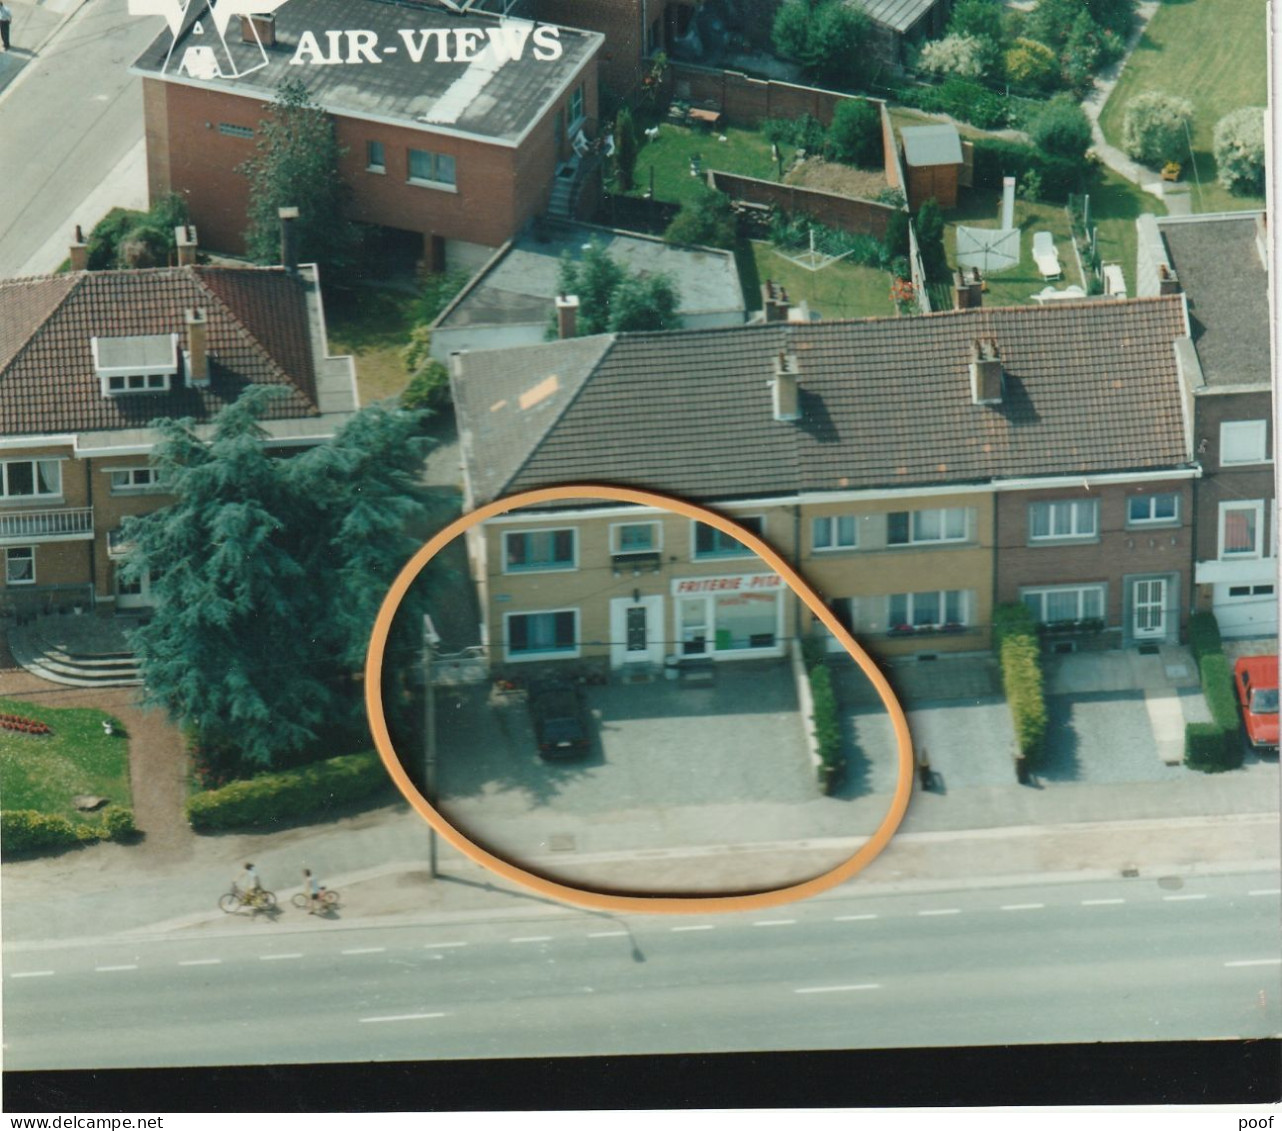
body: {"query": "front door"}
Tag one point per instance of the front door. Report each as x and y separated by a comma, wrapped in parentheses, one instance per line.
(1149, 604)
(636, 631)
(133, 594)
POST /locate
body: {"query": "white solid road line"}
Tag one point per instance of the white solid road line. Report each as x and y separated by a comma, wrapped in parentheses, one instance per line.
(275, 957)
(1101, 902)
(941, 911)
(400, 1017)
(433, 945)
(33, 974)
(532, 938)
(850, 918)
(695, 927)
(1266, 891)
(1023, 906)
(1177, 898)
(201, 962)
(837, 989)
(1256, 962)
(607, 934)
(774, 923)
(107, 969)
(366, 950)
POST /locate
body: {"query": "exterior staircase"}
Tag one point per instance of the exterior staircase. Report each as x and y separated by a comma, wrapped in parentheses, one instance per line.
(561, 204)
(52, 649)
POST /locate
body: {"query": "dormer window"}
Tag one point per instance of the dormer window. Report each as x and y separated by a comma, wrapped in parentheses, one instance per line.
(142, 363)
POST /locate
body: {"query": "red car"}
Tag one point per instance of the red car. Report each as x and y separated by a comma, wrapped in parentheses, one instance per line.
(1255, 679)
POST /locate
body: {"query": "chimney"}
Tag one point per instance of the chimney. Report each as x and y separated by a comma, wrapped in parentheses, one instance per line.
(265, 26)
(784, 391)
(1168, 283)
(567, 316)
(79, 252)
(774, 301)
(288, 239)
(968, 290)
(185, 240)
(986, 372)
(197, 348)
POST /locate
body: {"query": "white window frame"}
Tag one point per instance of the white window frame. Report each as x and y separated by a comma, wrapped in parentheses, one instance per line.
(1043, 591)
(37, 495)
(558, 653)
(577, 115)
(372, 166)
(555, 568)
(1256, 505)
(121, 384)
(743, 552)
(942, 594)
(15, 554)
(1076, 534)
(944, 536)
(149, 485)
(616, 531)
(1252, 432)
(434, 181)
(1151, 500)
(832, 523)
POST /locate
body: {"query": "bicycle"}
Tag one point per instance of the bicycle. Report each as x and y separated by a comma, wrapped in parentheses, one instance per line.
(328, 899)
(260, 899)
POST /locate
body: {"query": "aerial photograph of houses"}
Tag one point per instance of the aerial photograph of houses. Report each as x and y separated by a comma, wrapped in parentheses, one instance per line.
(602, 528)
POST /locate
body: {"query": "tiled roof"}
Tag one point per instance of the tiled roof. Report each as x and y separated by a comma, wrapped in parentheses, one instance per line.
(258, 334)
(1090, 388)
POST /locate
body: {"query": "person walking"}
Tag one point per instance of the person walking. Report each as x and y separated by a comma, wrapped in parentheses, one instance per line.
(6, 17)
(312, 889)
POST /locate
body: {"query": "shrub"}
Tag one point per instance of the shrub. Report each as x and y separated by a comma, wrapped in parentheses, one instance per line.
(1204, 636)
(895, 241)
(996, 158)
(1032, 64)
(813, 650)
(806, 132)
(107, 234)
(269, 798)
(827, 723)
(1239, 150)
(116, 823)
(929, 226)
(707, 220)
(980, 19)
(1062, 129)
(429, 388)
(826, 38)
(144, 246)
(1217, 686)
(625, 148)
(1022, 682)
(855, 134)
(960, 55)
(1155, 127)
(29, 830)
(1211, 749)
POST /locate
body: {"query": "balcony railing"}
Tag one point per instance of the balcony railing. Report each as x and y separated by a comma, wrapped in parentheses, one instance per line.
(46, 526)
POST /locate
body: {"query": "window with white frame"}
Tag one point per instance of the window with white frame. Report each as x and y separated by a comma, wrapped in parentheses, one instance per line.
(635, 538)
(30, 478)
(1153, 510)
(1065, 603)
(576, 105)
(375, 157)
(933, 609)
(134, 480)
(1244, 441)
(528, 550)
(138, 383)
(934, 524)
(542, 634)
(835, 532)
(1070, 518)
(1242, 529)
(20, 565)
(709, 542)
(431, 168)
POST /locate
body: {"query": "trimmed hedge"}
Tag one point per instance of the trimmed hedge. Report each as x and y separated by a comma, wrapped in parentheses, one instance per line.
(29, 830)
(1215, 746)
(269, 798)
(1204, 636)
(1012, 619)
(1217, 686)
(1015, 640)
(996, 158)
(827, 724)
(1210, 748)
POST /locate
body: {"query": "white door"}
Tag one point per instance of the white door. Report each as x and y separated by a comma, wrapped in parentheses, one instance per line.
(133, 594)
(636, 631)
(1149, 608)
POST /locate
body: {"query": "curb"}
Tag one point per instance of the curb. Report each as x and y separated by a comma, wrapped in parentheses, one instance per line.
(35, 51)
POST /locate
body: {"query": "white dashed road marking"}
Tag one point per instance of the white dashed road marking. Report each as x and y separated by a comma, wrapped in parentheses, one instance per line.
(400, 1017)
(33, 974)
(1100, 902)
(607, 934)
(1177, 898)
(1256, 962)
(851, 918)
(532, 938)
(695, 927)
(434, 945)
(942, 911)
(366, 950)
(837, 989)
(1266, 891)
(106, 969)
(774, 923)
(276, 957)
(1023, 906)
(200, 962)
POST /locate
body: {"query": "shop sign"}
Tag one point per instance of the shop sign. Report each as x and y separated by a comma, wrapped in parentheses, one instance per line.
(737, 583)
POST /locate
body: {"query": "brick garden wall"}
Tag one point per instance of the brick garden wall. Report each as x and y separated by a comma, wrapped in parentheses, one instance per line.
(747, 101)
(847, 213)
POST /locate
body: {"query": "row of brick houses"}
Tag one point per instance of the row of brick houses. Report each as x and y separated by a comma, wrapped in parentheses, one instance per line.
(916, 471)
(88, 360)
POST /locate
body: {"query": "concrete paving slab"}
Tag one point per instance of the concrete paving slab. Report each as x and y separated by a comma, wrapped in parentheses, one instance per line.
(1102, 736)
(1166, 720)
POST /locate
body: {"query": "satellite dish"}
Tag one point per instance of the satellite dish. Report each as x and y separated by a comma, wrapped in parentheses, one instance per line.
(989, 249)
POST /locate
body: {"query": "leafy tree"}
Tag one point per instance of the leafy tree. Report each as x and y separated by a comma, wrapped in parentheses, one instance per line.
(1239, 150)
(1155, 127)
(267, 573)
(151, 233)
(929, 226)
(791, 31)
(1051, 21)
(855, 134)
(1062, 128)
(707, 220)
(297, 165)
(895, 241)
(828, 38)
(978, 19)
(144, 246)
(644, 303)
(1083, 51)
(429, 384)
(611, 300)
(1115, 16)
(1032, 64)
(625, 148)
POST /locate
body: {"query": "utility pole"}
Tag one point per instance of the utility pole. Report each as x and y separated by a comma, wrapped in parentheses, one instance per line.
(429, 741)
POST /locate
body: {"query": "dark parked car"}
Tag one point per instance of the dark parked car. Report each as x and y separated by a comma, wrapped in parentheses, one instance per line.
(560, 720)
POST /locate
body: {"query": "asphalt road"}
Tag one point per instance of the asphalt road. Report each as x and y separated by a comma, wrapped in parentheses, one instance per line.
(1109, 960)
(67, 124)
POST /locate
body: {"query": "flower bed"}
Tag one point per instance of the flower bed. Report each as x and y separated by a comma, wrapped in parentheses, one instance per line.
(20, 724)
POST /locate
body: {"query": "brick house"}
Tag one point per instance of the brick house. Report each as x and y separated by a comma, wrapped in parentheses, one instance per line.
(89, 359)
(1218, 264)
(915, 470)
(455, 127)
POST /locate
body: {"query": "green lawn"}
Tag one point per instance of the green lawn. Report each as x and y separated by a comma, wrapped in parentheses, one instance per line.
(841, 290)
(1115, 205)
(1211, 52)
(45, 772)
(373, 325)
(745, 152)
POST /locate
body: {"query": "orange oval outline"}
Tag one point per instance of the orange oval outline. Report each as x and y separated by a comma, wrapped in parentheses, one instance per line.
(602, 901)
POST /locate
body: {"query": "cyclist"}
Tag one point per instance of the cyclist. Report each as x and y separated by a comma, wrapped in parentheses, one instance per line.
(312, 889)
(248, 886)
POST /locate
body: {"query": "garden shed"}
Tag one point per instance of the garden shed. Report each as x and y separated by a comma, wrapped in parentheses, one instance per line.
(932, 162)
